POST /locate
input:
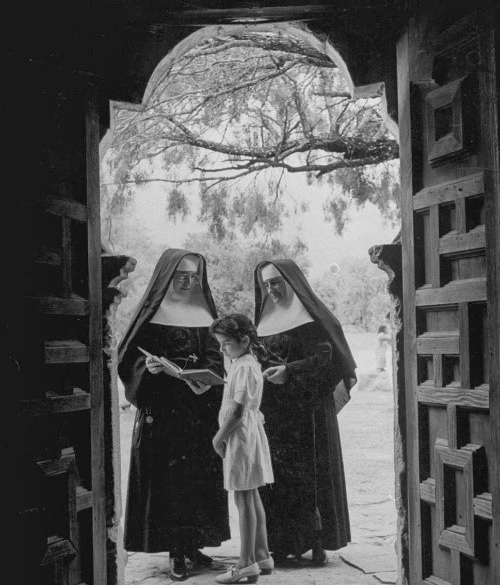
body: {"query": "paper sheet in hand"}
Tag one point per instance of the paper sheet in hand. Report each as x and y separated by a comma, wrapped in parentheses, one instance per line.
(204, 375)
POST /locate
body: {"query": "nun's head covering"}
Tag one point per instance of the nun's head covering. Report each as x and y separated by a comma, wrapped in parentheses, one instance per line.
(312, 309)
(161, 304)
(277, 317)
(184, 304)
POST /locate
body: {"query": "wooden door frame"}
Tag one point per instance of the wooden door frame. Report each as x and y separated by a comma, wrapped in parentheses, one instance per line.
(408, 46)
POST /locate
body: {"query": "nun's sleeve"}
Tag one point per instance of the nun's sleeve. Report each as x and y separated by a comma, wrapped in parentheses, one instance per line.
(212, 357)
(131, 371)
(311, 373)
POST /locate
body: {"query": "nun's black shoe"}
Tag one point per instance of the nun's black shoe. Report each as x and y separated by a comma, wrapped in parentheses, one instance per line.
(320, 558)
(282, 558)
(199, 560)
(178, 569)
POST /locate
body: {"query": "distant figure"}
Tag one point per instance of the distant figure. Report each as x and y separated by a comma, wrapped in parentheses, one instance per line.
(383, 341)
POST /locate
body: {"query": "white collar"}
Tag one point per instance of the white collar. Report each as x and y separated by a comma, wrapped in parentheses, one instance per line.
(277, 319)
(180, 311)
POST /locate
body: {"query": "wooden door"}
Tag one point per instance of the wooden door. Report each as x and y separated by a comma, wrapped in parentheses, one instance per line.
(450, 182)
(55, 339)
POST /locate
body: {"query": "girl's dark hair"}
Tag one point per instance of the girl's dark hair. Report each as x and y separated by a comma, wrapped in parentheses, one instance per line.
(382, 329)
(237, 326)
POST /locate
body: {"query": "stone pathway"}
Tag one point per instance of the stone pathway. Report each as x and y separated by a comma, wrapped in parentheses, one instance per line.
(152, 569)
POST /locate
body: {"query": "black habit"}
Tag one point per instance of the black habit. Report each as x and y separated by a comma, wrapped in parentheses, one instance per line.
(307, 503)
(175, 493)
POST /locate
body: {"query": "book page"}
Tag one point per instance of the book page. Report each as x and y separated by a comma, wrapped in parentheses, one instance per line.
(173, 369)
(204, 376)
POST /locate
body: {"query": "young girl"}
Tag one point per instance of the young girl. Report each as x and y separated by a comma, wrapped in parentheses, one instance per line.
(242, 444)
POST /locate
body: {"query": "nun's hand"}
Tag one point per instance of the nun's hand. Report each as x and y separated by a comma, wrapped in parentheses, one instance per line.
(197, 387)
(154, 366)
(275, 374)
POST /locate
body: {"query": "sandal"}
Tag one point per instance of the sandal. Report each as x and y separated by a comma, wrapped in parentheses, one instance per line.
(235, 575)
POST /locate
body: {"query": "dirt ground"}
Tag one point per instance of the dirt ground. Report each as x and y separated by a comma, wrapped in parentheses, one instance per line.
(366, 427)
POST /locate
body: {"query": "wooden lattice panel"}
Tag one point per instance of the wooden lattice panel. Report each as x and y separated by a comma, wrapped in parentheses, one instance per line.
(450, 213)
(61, 412)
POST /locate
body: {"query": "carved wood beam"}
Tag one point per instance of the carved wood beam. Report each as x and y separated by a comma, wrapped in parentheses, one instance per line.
(388, 258)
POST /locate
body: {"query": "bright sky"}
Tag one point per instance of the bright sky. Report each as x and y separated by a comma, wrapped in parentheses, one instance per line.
(325, 247)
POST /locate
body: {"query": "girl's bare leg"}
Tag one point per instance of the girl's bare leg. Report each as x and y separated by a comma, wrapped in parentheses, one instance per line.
(261, 546)
(244, 500)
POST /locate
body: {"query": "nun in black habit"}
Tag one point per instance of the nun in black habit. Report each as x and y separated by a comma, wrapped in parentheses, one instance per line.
(175, 501)
(308, 376)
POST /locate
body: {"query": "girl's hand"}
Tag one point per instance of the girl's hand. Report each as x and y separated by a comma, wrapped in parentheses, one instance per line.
(219, 447)
(275, 374)
(153, 366)
(197, 387)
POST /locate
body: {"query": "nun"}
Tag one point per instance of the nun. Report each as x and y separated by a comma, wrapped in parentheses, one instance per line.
(308, 376)
(175, 501)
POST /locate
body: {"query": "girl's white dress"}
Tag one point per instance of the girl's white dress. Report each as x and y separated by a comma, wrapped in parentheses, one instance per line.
(247, 460)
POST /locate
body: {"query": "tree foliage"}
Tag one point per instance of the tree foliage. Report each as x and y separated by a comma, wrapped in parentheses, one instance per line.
(235, 114)
(231, 265)
(357, 295)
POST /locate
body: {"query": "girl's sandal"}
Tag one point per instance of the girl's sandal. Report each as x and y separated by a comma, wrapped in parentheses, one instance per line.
(266, 566)
(235, 575)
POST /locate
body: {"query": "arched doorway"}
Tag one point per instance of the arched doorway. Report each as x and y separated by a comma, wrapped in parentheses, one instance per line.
(295, 31)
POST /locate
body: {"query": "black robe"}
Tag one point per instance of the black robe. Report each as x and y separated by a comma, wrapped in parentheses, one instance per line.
(175, 494)
(302, 427)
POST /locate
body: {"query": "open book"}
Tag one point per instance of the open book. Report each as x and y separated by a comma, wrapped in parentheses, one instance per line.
(205, 376)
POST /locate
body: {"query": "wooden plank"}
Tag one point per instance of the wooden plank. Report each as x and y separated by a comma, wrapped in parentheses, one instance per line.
(58, 549)
(438, 370)
(464, 291)
(64, 208)
(463, 243)
(457, 458)
(451, 426)
(67, 258)
(458, 538)
(95, 339)
(463, 323)
(59, 466)
(438, 343)
(428, 491)
(489, 129)
(55, 405)
(460, 215)
(405, 54)
(84, 499)
(73, 528)
(455, 573)
(476, 398)
(75, 305)
(483, 506)
(449, 191)
(435, 276)
(49, 256)
(439, 525)
(67, 351)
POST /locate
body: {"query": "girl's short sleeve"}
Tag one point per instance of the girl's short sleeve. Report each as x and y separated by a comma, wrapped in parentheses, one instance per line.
(246, 384)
